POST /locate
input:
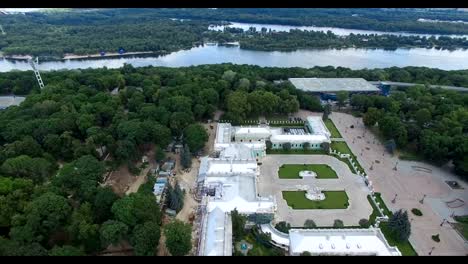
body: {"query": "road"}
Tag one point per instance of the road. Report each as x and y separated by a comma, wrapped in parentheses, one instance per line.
(403, 84)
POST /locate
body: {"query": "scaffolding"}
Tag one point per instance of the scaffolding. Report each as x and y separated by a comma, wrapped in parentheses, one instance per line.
(36, 72)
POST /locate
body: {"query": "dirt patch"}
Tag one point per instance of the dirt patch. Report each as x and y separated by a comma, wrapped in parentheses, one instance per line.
(123, 182)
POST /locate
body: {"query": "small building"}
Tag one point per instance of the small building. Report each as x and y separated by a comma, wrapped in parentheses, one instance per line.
(170, 212)
(168, 165)
(159, 188)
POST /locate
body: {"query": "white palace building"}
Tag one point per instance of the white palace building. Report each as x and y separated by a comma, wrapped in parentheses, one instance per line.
(228, 181)
(314, 133)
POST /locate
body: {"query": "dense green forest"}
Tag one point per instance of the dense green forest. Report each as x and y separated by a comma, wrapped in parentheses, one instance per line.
(28, 37)
(298, 39)
(432, 123)
(51, 198)
(380, 19)
(81, 32)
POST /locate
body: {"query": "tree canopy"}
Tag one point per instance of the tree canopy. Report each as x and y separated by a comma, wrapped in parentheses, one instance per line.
(178, 238)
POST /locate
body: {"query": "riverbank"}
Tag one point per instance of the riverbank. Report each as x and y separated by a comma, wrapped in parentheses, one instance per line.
(85, 57)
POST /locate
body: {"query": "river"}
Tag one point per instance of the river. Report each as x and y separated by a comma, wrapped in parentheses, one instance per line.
(350, 58)
(337, 31)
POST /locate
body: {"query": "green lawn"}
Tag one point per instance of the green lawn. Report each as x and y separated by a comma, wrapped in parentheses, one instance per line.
(259, 249)
(341, 146)
(462, 226)
(405, 248)
(296, 151)
(385, 209)
(332, 128)
(375, 211)
(291, 171)
(333, 200)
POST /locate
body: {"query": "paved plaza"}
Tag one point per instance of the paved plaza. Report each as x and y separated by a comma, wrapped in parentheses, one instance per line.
(357, 191)
(410, 182)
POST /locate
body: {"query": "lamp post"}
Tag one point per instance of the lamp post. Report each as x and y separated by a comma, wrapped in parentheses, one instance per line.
(422, 200)
(394, 198)
(432, 249)
(396, 164)
(372, 166)
(441, 224)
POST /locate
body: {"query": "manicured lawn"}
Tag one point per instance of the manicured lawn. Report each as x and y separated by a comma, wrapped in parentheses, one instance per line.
(333, 200)
(332, 128)
(384, 207)
(375, 211)
(296, 151)
(291, 171)
(341, 146)
(462, 226)
(259, 249)
(405, 248)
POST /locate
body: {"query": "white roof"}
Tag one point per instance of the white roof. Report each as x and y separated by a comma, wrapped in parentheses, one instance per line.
(231, 167)
(237, 151)
(277, 236)
(253, 146)
(223, 133)
(333, 84)
(340, 242)
(258, 131)
(217, 234)
(299, 139)
(238, 191)
(318, 126)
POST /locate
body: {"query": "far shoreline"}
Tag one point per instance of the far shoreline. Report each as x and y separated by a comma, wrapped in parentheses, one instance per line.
(84, 57)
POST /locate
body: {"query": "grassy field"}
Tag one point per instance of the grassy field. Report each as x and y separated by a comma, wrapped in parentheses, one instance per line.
(385, 209)
(462, 226)
(405, 247)
(291, 171)
(333, 200)
(332, 128)
(296, 151)
(341, 146)
(375, 211)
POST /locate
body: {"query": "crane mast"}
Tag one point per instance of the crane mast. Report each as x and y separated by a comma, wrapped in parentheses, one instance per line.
(36, 72)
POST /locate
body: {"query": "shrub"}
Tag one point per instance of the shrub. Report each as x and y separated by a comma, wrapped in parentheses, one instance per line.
(283, 227)
(416, 211)
(399, 225)
(309, 223)
(364, 223)
(338, 223)
(436, 238)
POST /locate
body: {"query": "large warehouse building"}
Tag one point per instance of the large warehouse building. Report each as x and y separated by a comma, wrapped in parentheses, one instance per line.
(328, 87)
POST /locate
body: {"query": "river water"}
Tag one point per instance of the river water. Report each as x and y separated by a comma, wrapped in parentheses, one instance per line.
(350, 58)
